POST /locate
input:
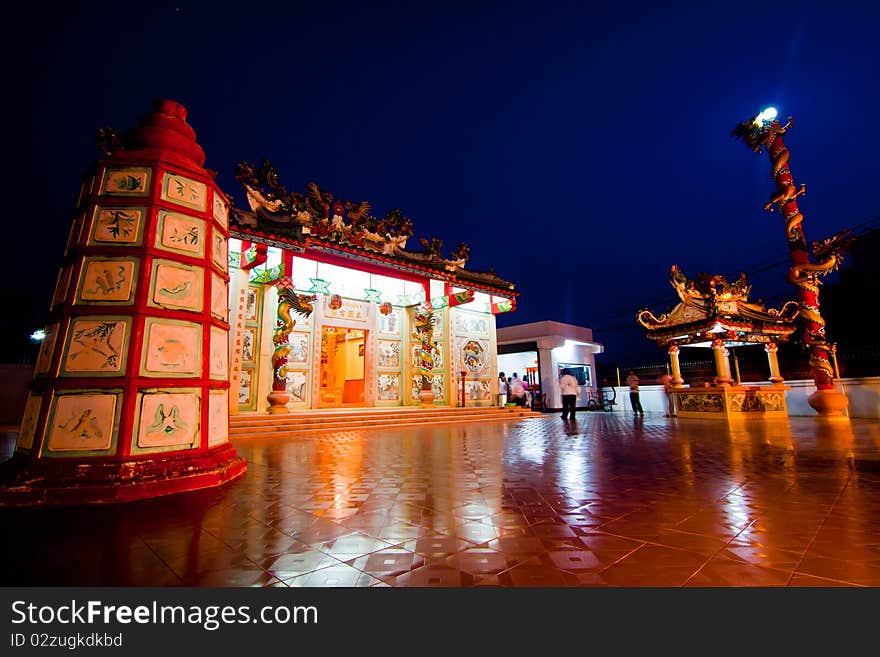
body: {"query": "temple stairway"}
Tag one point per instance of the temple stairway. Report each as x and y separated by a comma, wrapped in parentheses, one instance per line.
(258, 425)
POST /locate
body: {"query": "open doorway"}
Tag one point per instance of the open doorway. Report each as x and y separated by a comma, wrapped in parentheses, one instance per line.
(342, 366)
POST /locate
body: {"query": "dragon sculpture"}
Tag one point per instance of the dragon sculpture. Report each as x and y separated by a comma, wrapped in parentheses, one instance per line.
(424, 321)
(288, 301)
(766, 133)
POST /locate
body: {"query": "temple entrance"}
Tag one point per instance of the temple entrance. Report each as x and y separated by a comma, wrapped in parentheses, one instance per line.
(342, 366)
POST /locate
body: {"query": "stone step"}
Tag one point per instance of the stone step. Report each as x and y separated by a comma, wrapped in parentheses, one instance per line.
(364, 414)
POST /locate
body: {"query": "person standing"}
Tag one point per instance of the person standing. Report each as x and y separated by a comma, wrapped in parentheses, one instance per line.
(633, 382)
(666, 382)
(568, 387)
(517, 391)
(503, 390)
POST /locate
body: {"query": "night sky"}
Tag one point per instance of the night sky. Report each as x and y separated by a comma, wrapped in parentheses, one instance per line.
(579, 148)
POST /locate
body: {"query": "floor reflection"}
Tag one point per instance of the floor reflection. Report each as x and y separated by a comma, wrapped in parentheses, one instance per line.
(600, 501)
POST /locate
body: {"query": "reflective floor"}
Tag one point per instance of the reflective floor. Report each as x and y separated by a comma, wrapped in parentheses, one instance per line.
(606, 501)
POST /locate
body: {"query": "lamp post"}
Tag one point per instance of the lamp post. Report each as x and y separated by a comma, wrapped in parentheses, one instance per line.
(764, 131)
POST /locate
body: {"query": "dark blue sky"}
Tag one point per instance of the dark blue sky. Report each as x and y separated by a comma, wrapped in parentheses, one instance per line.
(579, 148)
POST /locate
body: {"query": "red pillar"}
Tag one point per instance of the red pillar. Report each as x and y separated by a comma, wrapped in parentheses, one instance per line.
(130, 392)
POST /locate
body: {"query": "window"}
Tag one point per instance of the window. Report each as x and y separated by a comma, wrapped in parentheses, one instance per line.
(580, 372)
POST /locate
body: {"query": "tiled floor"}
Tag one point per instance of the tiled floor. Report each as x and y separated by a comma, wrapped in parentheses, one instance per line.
(606, 501)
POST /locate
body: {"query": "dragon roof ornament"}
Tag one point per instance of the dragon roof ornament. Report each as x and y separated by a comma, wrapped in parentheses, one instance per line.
(317, 216)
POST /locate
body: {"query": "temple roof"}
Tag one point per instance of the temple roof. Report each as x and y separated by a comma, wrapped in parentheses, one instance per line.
(315, 222)
(710, 308)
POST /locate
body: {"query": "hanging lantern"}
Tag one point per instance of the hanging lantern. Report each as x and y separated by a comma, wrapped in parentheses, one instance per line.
(385, 308)
(335, 302)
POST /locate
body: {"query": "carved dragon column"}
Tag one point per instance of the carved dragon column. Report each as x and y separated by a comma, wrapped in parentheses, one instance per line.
(130, 392)
(767, 132)
(288, 301)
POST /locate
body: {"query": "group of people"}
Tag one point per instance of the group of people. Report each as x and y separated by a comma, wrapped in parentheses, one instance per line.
(512, 389)
(665, 380)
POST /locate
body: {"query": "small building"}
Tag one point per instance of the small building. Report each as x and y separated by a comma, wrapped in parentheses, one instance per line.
(540, 351)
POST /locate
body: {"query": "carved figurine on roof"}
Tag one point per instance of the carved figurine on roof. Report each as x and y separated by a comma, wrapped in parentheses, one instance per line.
(275, 212)
(712, 304)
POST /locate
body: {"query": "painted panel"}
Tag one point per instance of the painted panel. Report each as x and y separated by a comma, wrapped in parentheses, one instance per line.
(390, 324)
(389, 387)
(473, 355)
(246, 387)
(184, 191)
(219, 298)
(471, 323)
(251, 304)
(700, 402)
(219, 250)
(478, 390)
(61, 285)
(82, 422)
(47, 350)
(351, 310)
(171, 348)
(249, 344)
(180, 233)
(176, 286)
(96, 346)
(219, 353)
(436, 384)
(107, 280)
(123, 226)
(299, 348)
(220, 210)
(218, 417)
(29, 422)
(389, 354)
(752, 401)
(132, 181)
(298, 386)
(168, 419)
(417, 357)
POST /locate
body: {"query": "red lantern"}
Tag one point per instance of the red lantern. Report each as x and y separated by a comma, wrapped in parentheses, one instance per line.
(385, 308)
(335, 302)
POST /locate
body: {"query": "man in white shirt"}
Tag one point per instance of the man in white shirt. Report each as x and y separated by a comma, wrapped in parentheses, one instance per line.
(568, 387)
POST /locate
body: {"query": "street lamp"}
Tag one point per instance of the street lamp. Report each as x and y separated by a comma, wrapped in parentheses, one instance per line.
(38, 336)
(763, 131)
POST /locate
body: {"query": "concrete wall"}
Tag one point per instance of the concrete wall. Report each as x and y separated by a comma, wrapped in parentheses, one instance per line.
(863, 395)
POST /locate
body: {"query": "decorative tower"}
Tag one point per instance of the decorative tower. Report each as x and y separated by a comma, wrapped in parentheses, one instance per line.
(130, 392)
(764, 131)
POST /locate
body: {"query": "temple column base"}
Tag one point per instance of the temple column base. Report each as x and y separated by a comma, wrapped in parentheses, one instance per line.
(24, 482)
(278, 400)
(427, 398)
(829, 403)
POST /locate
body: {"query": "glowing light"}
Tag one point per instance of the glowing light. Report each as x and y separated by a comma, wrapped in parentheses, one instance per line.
(38, 336)
(766, 115)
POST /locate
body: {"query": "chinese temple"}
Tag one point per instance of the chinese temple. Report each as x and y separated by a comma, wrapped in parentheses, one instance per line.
(331, 309)
(713, 313)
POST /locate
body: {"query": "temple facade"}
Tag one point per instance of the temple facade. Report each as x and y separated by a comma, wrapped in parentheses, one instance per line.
(329, 308)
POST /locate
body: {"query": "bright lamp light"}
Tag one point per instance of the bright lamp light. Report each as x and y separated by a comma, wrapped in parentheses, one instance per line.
(766, 115)
(38, 336)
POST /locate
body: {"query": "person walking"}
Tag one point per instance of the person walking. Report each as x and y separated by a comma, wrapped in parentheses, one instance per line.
(633, 382)
(503, 390)
(666, 382)
(568, 387)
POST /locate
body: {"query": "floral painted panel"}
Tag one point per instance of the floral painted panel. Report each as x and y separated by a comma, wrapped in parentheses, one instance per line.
(248, 344)
(700, 402)
(245, 387)
(389, 354)
(29, 422)
(746, 402)
(389, 387)
(219, 353)
(218, 417)
(471, 323)
(185, 191)
(436, 386)
(219, 250)
(297, 386)
(478, 390)
(172, 348)
(82, 422)
(180, 233)
(251, 306)
(134, 181)
(176, 286)
(299, 348)
(220, 211)
(47, 350)
(390, 324)
(436, 351)
(219, 298)
(117, 226)
(95, 346)
(168, 419)
(108, 280)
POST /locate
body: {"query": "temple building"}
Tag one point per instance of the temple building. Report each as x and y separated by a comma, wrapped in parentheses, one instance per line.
(328, 307)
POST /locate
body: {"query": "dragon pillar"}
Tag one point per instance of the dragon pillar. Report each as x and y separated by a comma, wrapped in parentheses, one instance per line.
(288, 301)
